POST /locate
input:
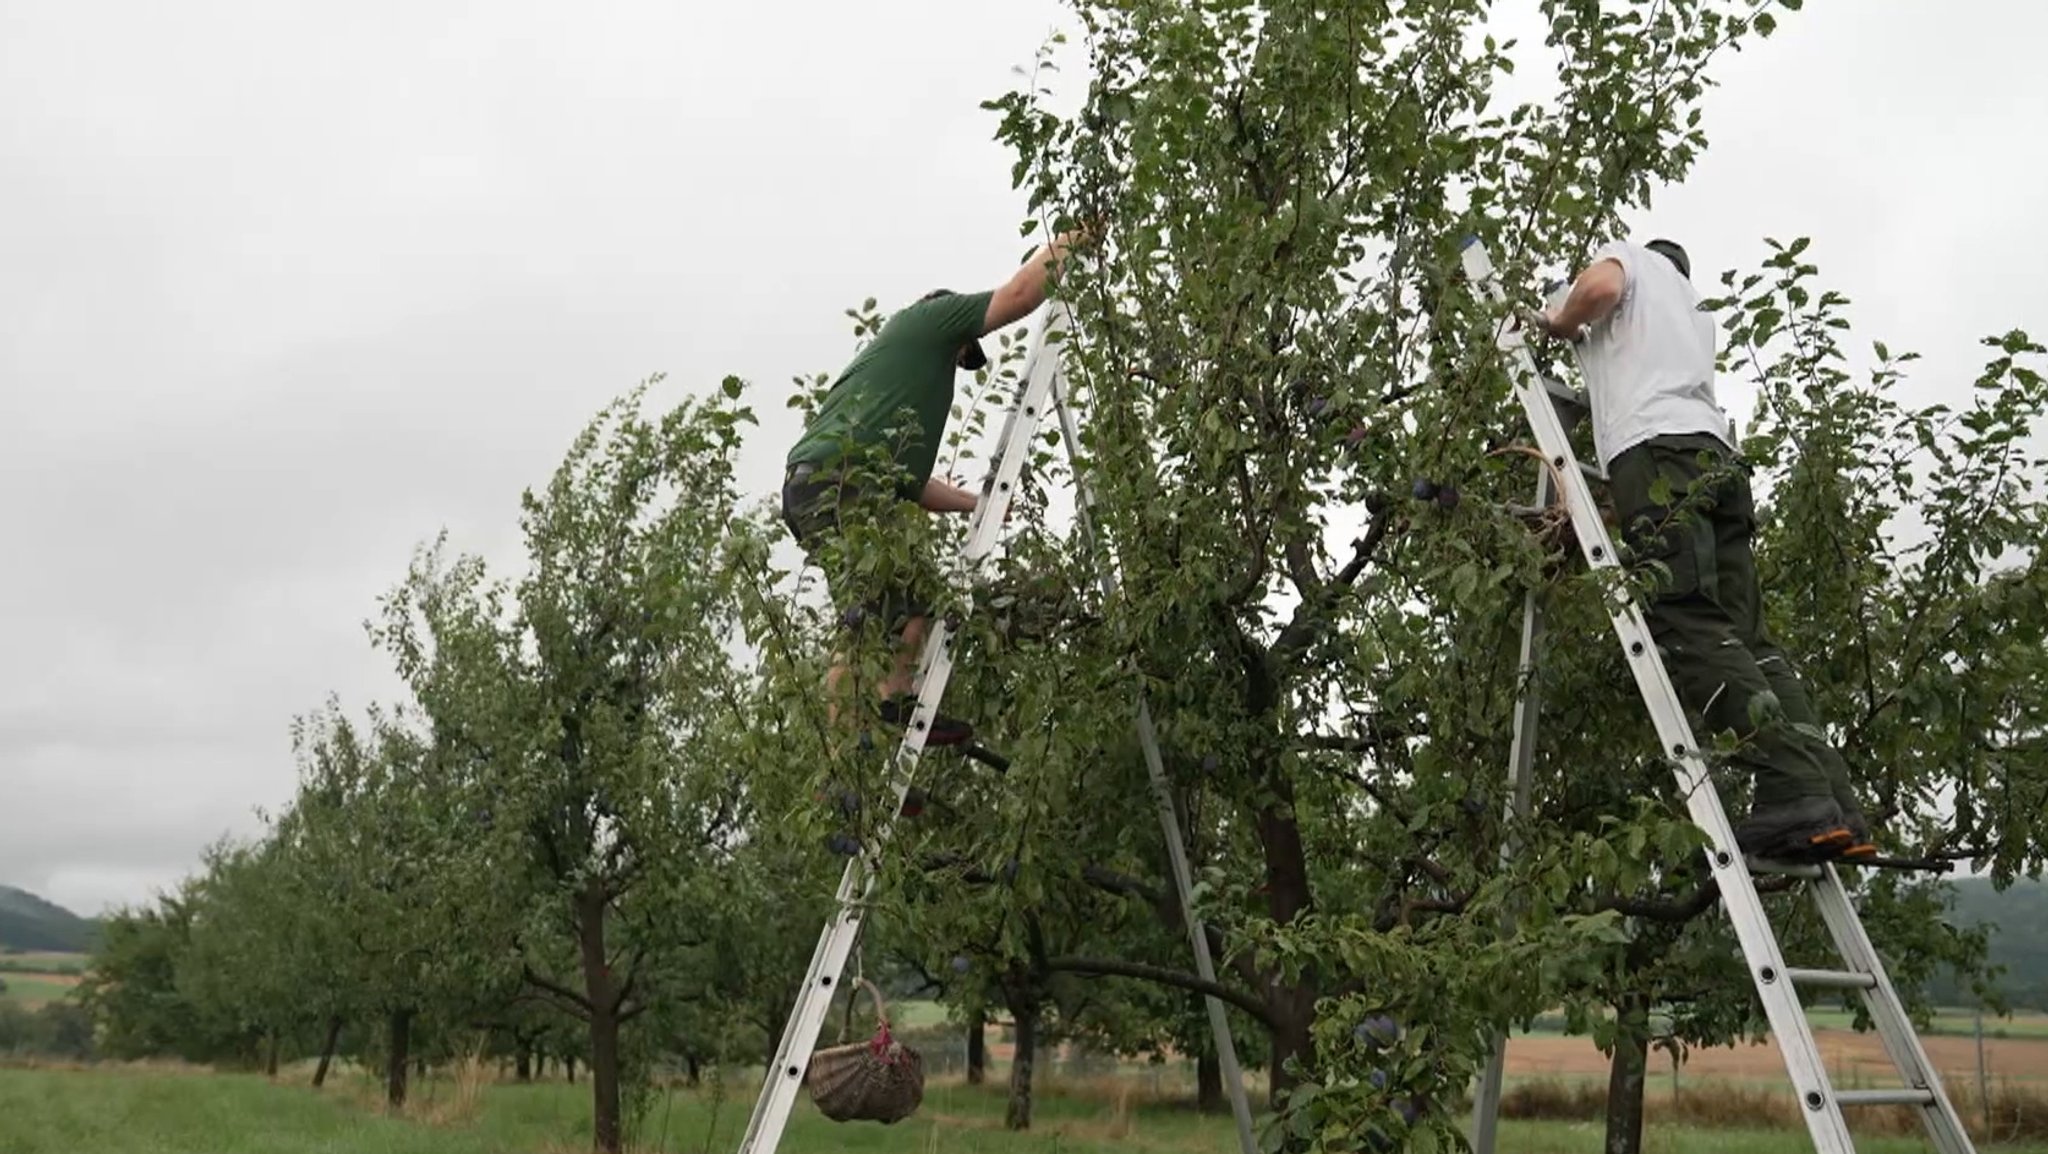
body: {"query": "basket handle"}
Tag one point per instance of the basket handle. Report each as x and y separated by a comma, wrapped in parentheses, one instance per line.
(881, 1004)
(881, 1010)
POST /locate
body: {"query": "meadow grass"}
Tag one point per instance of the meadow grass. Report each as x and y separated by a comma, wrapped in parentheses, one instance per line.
(33, 990)
(44, 962)
(1948, 1022)
(181, 1110)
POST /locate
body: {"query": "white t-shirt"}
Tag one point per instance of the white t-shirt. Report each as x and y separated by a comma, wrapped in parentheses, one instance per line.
(1649, 364)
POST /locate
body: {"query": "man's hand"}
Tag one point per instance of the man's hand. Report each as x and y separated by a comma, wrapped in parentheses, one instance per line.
(1538, 321)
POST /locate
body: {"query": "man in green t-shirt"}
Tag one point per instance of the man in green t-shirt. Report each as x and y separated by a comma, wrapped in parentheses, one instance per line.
(871, 447)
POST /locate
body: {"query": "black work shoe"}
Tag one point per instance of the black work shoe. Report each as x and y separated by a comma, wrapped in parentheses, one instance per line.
(1809, 829)
(944, 730)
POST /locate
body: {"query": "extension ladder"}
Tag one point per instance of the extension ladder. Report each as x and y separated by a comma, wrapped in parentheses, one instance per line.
(1542, 400)
(1044, 384)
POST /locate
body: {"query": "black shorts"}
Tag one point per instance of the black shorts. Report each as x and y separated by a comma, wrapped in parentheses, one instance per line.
(818, 507)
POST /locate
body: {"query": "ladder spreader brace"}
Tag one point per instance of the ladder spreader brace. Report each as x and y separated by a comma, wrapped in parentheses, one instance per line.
(1776, 984)
(1044, 384)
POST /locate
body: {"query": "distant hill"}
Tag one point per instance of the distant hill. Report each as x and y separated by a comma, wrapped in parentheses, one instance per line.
(2019, 940)
(27, 922)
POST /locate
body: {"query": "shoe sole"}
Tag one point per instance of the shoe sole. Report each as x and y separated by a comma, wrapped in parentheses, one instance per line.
(1813, 849)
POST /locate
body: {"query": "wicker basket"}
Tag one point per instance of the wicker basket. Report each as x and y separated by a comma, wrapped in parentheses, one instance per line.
(879, 1080)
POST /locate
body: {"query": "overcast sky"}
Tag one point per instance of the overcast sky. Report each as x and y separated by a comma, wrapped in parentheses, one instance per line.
(286, 288)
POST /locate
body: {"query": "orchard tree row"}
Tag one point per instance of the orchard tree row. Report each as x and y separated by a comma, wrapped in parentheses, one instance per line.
(605, 812)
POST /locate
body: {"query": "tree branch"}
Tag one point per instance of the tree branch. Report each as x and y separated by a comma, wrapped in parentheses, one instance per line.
(1122, 884)
(1117, 968)
(1167, 905)
(573, 999)
(1377, 733)
(1310, 615)
(1692, 905)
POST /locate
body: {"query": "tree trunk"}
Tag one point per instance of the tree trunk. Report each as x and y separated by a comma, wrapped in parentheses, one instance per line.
(327, 1051)
(394, 1070)
(977, 1049)
(270, 1056)
(1287, 897)
(1209, 1082)
(1294, 1013)
(693, 1070)
(569, 1068)
(522, 1064)
(1628, 1070)
(603, 994)
(1018, 1116)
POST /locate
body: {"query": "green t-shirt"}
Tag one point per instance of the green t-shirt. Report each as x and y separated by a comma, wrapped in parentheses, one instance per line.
(898, 391)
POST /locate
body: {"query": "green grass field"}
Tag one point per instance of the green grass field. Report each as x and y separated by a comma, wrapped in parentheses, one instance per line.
(44, 962)
(33, 990)
(1958, 1023)
(169, 1111)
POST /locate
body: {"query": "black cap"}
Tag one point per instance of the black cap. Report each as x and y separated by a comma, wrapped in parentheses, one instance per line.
(1672, 251)
(971, 358)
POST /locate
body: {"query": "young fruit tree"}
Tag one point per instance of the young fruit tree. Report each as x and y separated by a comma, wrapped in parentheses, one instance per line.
(603, 719)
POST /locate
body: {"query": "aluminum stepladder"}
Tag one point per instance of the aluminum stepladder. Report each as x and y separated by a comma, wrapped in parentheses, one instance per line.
(1777, 985)
(1044, 385)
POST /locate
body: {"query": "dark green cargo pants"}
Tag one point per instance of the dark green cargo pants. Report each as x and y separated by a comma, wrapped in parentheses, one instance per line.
(1707, 617)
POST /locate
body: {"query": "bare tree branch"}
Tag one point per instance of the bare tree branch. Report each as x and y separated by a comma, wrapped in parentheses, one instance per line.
(1117, 968)
(1311, 615)
(571, 998)
(1688, 907)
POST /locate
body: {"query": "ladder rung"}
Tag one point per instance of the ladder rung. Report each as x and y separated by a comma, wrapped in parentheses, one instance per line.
(1760, 867)
(1832, 979)
(1901, 1097)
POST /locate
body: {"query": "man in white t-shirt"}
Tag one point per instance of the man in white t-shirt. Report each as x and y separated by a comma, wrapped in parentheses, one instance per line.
(1647, 350)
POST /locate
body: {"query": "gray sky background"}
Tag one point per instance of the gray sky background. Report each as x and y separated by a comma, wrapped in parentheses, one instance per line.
(286, 288)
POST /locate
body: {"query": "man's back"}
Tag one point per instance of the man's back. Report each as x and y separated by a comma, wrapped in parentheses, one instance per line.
(907, 369)
(1649, 364)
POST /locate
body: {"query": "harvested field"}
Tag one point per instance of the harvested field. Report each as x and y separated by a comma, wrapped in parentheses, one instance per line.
(1850, 1056)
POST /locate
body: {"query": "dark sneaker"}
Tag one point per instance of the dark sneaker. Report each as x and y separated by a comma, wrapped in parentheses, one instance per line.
(1809, 829)
(944, 731)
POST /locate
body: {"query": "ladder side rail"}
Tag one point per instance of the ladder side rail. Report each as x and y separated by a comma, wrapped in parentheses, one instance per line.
(1162, 788)
(1521, 768)
(1938, 1114)
(1789, 1025)
(935, 665)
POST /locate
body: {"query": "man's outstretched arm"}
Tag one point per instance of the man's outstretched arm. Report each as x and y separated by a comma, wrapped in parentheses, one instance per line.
(1025, 290)
(945, 497)
(1593, 296)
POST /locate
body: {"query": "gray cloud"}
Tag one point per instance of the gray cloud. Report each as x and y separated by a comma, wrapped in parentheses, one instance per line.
(288, 288)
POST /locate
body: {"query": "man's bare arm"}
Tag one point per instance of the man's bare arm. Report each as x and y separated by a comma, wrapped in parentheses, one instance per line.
(1593, 296)
(944, 497)
(1025, 290)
